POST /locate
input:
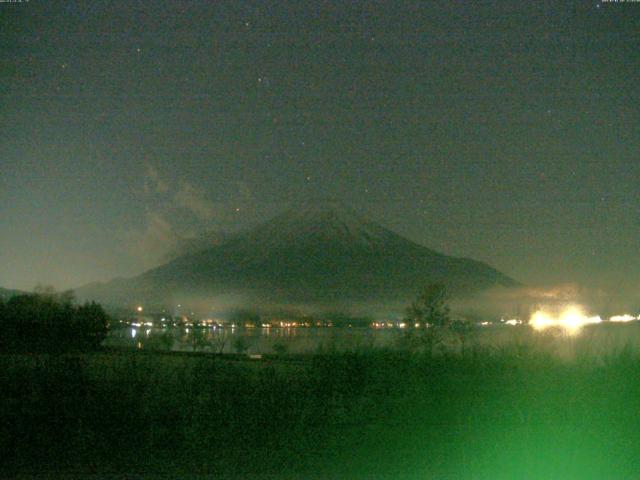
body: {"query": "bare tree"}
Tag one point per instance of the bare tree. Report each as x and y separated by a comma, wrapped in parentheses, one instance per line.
(219, 341)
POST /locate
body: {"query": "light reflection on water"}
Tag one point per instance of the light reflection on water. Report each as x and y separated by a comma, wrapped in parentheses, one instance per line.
(599, 339)
(257, 340)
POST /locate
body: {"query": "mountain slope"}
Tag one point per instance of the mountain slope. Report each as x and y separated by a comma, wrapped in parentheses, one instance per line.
(195, 244)
(315, 254)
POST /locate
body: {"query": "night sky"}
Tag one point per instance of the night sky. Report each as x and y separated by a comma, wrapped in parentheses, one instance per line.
(508, 132)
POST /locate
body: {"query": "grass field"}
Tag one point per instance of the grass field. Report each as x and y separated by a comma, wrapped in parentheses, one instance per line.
(512, 412)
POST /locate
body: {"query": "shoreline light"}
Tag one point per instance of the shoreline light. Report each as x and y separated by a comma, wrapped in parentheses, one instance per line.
(571, 319)
(623, 318)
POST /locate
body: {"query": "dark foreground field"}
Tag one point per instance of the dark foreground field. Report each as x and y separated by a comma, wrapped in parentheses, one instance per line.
(511, 413)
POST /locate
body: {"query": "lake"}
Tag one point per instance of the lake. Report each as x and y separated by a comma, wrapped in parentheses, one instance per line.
(255, 340)
(593, 340)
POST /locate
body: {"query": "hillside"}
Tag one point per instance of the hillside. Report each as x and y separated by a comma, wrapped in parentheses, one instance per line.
(318, 254)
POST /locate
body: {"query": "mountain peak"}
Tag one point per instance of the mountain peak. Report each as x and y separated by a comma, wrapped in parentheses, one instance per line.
(319, 207)
(317, 251)
(325, 220)
(321, 210)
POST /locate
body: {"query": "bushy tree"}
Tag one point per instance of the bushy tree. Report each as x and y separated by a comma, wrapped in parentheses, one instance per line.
(50, 322)
(430, 307)
(90, 324)
(241, 344)
(430, 312)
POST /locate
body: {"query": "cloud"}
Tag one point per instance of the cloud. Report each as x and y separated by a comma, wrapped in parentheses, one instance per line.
(153, 183)
(163, 229)
(151, 243)
(179, 217)
(187, 196)
(195, 200)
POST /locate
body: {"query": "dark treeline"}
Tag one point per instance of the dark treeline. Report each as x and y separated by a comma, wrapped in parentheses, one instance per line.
(50, 322)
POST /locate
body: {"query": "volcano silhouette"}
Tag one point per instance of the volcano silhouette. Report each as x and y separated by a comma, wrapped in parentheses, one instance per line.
(318, 253)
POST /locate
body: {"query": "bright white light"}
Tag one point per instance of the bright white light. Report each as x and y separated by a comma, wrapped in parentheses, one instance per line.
(540, 320)
(133, 333)
(623, 318)
(512, 322)
(139, 309)
(571, 319)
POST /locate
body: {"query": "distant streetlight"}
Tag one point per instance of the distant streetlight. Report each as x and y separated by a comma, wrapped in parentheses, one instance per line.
(139, 309)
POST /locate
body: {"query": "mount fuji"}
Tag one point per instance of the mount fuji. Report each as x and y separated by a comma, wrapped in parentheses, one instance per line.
(316, 254)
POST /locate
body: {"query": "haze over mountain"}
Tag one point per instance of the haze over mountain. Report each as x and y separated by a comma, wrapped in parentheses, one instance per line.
(203, 241)
(317, 254)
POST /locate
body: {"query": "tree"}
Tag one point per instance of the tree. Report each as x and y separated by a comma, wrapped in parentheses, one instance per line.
(241, 344)
(280, 349)
(426, 318)
(198, 338)
(463, 330)
(430, 307)
(90, 322)
(219, 340)
(50, 322)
